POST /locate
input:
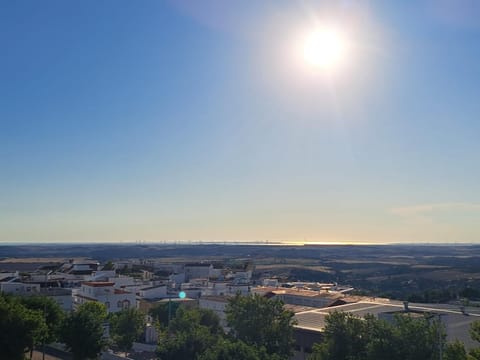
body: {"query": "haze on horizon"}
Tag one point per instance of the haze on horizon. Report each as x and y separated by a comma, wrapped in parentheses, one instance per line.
(311, 121)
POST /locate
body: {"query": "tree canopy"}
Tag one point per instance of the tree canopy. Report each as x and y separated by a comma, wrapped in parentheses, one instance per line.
(83, 331)
(347, 337)
(262, 322)
(126, 327)
(54, 314)
(190, 334)
(160, 312)
(230, 349)
(21, 328)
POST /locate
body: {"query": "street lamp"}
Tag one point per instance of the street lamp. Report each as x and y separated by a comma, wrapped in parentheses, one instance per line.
(181, 295)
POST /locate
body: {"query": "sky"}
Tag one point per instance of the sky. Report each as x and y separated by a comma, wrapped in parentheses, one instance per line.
(201, 121)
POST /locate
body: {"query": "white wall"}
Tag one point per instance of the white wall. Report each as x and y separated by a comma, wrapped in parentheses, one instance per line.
(156, 292)
(19, 288)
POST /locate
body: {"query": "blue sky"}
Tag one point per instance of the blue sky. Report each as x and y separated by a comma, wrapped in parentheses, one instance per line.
(186, 120)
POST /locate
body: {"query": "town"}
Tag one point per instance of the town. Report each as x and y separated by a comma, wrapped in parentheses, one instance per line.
(150, 284)
(239, 180)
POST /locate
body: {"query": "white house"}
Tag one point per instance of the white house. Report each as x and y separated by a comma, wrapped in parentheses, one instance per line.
(198, 271)
(153, 292)
(104, 292)
(19, 288)
(177, 279)
(222, 288)
(62, 297)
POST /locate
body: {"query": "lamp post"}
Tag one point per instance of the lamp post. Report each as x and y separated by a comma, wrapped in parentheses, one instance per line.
(169, 309)
(181, 295)
(440, 347)
(439, 333)
(43, 338)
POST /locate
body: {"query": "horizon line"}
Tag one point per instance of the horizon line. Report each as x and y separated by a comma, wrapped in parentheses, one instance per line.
(237, 242)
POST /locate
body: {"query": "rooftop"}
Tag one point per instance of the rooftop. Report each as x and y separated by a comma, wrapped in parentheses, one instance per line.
(118, 291)
(98, 283)
(197, 265)
(457, 324)
(293, 291)
(153, 287)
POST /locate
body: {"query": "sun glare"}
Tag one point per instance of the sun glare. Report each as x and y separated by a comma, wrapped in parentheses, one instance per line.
(324, 48)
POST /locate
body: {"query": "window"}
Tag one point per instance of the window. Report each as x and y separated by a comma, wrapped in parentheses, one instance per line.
(126, 304)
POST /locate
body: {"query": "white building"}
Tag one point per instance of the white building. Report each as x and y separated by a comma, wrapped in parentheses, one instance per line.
(61, 296)
(217, 304)
(19, 288)
(8, 276)
(122, 281)
(104, 292)
(177, 279)
(223, 288)
(242, 276)
(153, 292)
(198, 271)
(270, 282)
(81, 267)
(102, 275)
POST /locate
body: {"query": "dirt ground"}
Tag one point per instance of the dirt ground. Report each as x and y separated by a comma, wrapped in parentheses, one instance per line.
(37, 355)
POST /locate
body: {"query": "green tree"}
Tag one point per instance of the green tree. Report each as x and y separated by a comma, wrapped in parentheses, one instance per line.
(160, 312)
(126, 327)
(475, 331)
(347, 337)
(418, 337)
(108, 266)
(259, 321)
(455, 351)
(190, 334)
(82, 331)
(227, 349)
(20, 328)
(381, 339)
(51, 311)
(209, 319)
(344, 338)
(474, 354)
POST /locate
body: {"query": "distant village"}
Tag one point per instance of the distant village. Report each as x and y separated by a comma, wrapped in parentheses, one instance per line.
(143, 284)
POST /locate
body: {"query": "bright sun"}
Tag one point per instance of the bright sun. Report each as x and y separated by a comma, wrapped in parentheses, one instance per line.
(324, 48)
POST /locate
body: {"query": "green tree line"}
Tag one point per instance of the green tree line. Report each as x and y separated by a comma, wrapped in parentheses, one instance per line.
(30, 322)
(258, 329)
(407, 337)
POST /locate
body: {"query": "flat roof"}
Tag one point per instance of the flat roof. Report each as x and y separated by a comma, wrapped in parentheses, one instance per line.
(118, 291)
(197, 265)
(457, 324)
(98, 283)
(294, 292)
(56, 291)
(153, 287)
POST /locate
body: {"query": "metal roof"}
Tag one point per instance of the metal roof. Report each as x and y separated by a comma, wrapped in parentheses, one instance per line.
(457, 323)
